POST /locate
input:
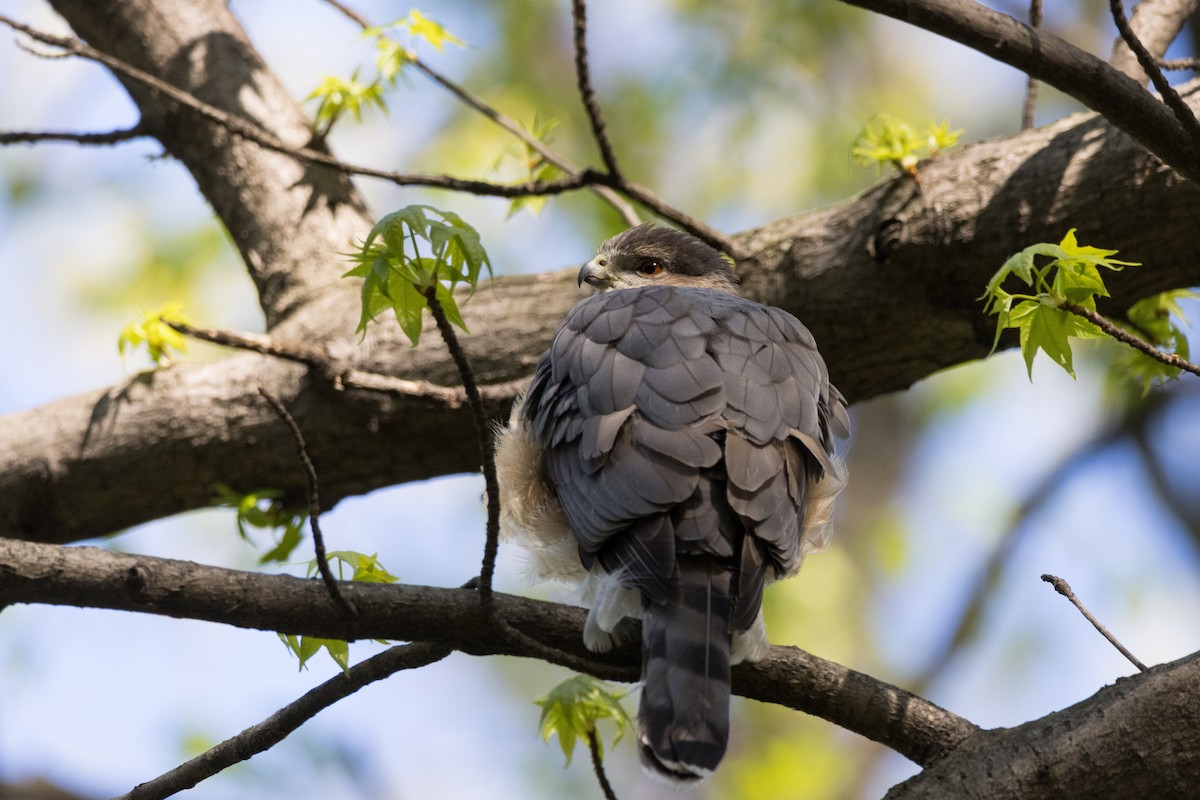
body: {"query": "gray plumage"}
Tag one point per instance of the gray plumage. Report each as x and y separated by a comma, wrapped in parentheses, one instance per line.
(686, 446)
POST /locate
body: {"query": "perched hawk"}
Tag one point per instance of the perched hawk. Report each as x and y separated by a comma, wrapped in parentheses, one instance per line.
(673, 454)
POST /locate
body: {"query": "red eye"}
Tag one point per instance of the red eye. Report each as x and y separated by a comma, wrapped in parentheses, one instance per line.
(650, 268)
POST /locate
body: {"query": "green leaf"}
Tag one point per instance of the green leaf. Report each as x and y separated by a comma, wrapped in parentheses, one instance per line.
(305, 647)
(1045, 328)
(887, 140)
(1157, 320)
(263, 509)
(160, 339)
(407, 252)
(572, 708)
(365, 568)
(422, 27)
(336, 96)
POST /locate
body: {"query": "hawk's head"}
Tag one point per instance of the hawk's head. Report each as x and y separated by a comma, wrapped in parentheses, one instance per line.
(648, 255)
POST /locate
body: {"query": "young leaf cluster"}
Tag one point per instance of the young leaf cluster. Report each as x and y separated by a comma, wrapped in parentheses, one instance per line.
(572, 708)
(363, 567)
(1157, 319)
(533, 164)
(263, 509)
(1071, 273)
(409, 252)
(160, 339)
(336, 96)
(887, 140)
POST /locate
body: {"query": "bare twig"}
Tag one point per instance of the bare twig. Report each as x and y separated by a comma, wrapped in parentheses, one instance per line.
(1064, 588)
(587, 93)
(275, 728)
(1031, 85)
(967, 625)
(314, 503)
(1170, 97)
(598, 764)
(1172, 64)
(690, 224)
(492, 486)
(106, 138)
(450, 396)
(486, 453)
(250, 132)
(1134, 341)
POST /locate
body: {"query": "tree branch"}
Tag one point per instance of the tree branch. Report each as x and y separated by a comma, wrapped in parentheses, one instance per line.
(1085, 751)
(1064, 588)
(1116, 96)
(275, 728)
(106, 138)
(1156, 23)
(1134, 341)
(90, 577)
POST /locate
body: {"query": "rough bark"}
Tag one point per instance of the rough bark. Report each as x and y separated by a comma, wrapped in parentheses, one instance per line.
(1139, 738)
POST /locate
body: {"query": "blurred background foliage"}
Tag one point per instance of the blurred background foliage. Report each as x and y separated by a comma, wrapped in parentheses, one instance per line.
(964, 489)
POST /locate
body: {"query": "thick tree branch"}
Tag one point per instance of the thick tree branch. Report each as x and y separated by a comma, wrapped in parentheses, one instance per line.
(1163, 704)
(1156, 23)
(90, 577)
(1139, 738)
(1116, 96)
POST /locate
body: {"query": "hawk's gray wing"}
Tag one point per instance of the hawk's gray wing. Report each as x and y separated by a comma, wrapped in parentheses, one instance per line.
(681, 431)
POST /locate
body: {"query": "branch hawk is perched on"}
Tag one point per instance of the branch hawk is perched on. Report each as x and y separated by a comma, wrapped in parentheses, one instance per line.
(674, 453)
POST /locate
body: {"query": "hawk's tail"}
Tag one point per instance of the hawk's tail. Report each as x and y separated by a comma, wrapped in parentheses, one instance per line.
(683, 719)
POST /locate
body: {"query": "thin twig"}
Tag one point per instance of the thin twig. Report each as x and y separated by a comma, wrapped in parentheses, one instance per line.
(1170, 97)
(1134, 341)
(450, 396)
(689, 223)
(967, 625)
(1179, 63)
(598, 764)
(587, 93)
(314, 503)
(1031, 86)
(492, 490)
(106, 138)
(253, 342)
(250, 132)
(1064, 588)
(275, 728)
(627, 211)
(486, 453)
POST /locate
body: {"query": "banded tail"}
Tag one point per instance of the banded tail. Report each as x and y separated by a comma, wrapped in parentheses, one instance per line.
(683, 718)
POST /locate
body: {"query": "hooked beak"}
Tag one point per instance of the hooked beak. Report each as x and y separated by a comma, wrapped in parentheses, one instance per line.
(594, 275)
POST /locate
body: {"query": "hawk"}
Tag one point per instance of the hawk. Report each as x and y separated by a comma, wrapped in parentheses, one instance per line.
(673, 454)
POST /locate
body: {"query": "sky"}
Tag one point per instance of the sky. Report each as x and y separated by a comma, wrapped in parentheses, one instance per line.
(95, 700)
